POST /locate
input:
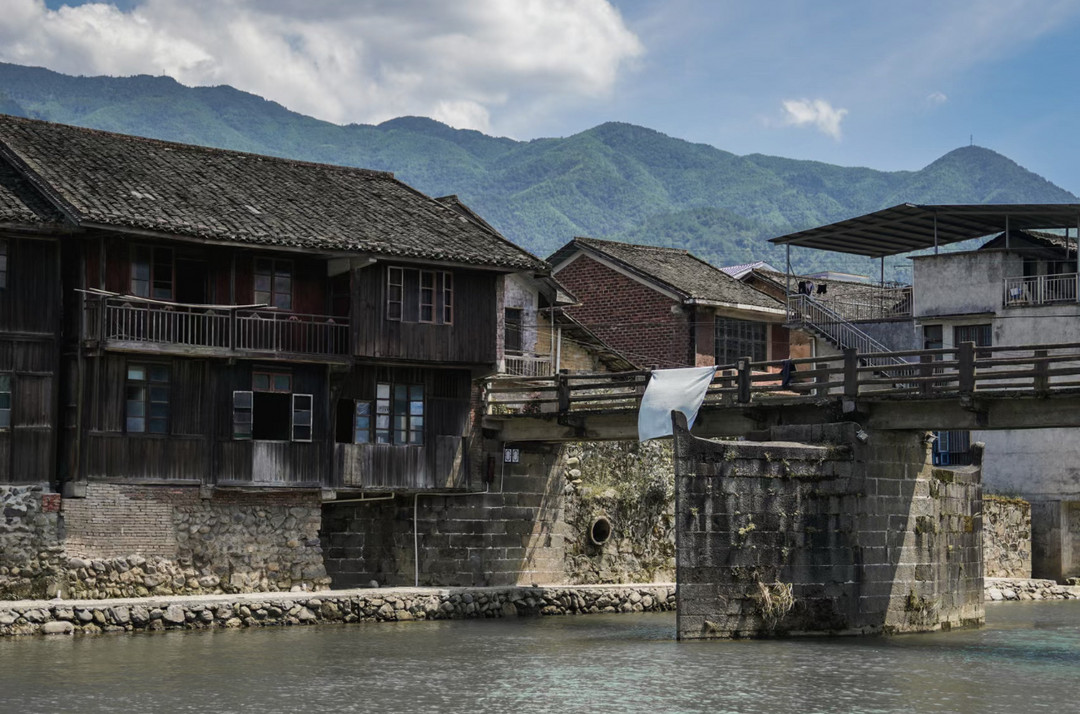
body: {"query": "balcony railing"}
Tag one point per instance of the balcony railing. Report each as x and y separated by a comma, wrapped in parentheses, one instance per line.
(1040, 290)
(526, 364)
(231, 329)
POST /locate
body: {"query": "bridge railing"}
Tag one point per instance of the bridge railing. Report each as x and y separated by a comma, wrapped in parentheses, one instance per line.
(960, 371)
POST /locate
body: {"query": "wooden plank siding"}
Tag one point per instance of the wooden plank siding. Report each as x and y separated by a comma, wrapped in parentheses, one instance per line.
(470, 339)
(442, 460)
(228, 278)
(30, 314)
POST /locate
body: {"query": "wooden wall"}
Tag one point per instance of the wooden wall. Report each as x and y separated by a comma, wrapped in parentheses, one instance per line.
(200, 444)
(471, 339)
(229, 276)
(441, 462)
(30, 311)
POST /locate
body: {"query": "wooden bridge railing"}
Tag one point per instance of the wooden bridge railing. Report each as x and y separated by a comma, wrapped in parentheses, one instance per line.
(960, 371)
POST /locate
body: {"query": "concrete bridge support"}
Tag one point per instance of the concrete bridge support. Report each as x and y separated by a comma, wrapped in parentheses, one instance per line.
(824, 529)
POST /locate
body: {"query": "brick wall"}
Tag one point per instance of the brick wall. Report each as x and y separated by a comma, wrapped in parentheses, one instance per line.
(631, 317)
(827, 535)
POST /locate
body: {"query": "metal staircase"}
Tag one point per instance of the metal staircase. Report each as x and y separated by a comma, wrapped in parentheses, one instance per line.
(805, 311)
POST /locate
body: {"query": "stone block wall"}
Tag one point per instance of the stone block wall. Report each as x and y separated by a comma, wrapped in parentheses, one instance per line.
(137, 541)
(31, 554)
(824, 535)
(506, 536)
(1006, 537)
(532, 526)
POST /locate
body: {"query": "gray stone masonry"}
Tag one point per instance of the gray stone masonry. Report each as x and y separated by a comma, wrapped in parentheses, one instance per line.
(815, 531)
(532, 526)
(140, 541)
(344, 606)
(31, 555)
(1006, 537)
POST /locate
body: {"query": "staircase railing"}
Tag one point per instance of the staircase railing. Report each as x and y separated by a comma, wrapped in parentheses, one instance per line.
(804, 310)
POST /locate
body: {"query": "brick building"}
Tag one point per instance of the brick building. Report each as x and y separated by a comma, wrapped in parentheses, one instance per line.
(664, 307)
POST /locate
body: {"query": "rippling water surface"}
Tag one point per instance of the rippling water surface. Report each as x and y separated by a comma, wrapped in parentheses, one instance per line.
(1027, 659)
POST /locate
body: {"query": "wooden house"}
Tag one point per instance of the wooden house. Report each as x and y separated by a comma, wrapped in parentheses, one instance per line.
(185, 315)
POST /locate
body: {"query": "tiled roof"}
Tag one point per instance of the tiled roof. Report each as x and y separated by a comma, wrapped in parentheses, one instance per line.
(20, 203)
(130, 182)
(677, 269)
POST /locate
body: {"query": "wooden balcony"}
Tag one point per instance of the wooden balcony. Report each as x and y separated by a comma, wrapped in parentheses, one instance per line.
(133, 325)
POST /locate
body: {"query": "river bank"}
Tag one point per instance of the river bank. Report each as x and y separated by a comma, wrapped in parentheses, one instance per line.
(31, 617)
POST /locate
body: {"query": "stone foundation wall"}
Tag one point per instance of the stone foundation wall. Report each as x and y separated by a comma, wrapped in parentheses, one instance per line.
(532, 526)
(87, 617)
(828, 535)
(1006, 537)
(138, 541)
(31, 555)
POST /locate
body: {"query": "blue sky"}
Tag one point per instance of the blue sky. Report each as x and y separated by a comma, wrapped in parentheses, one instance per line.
(886, 85)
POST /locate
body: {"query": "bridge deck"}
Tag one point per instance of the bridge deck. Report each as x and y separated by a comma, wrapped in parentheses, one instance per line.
(962, 387)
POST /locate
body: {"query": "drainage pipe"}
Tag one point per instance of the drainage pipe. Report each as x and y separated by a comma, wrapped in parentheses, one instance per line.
(362, 499)
(416, 532)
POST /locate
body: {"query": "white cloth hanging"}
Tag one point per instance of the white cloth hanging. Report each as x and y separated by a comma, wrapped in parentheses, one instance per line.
(671, 390)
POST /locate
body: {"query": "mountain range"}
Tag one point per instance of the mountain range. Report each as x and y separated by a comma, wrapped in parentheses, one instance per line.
(616, 180)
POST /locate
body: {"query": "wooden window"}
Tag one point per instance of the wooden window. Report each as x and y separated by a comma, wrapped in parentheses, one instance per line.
(427, 296)
(361, 423)
(267, 381)
(147, 399)
(5, 401)
(399, 414)
(152, 272)
(395, 293)
(740, 338)
(301, 417)
(414, 295)
(273, 283)
(952, 448)
(241, 414)
(512, 326)
(3, 263)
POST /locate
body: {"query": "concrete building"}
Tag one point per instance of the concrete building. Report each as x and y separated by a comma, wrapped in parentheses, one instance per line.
(1018, 288)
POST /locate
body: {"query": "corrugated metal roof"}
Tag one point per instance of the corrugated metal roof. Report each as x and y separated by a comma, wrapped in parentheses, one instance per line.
(910, 227)
(103, 179)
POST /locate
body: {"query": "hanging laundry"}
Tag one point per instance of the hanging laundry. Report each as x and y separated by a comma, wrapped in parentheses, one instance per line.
(669, 390)
(787, 371)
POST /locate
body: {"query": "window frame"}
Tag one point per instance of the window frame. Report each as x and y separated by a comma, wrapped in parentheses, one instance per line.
(4, 253)
(519, 323)
(7, 397)
(243, 414)
(729, 345)
(300, 415)
(982, 334)
(395, 294)
(152, 257)
(394, 425)
(419, 295)
(278, 268)
(147, 401)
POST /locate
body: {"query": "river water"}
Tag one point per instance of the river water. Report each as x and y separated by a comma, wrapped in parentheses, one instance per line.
(1027, 659)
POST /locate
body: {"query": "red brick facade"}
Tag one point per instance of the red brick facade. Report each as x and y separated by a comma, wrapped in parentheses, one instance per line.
(646, 326)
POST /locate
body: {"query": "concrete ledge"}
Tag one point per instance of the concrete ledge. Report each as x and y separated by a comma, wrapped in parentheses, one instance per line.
(32, 617)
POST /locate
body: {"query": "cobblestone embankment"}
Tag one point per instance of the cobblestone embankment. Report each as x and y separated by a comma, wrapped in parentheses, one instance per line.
(30, 617)
(1003, 589)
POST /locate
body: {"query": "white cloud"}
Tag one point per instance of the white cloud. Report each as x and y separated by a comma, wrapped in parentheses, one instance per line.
(345, 60)
(817, 112)
(937, 98)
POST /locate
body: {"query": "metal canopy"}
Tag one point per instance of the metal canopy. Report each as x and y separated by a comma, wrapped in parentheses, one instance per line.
(909, 227)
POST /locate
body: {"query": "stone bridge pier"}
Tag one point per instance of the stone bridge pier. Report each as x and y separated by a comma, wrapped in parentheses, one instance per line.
(824, 529)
